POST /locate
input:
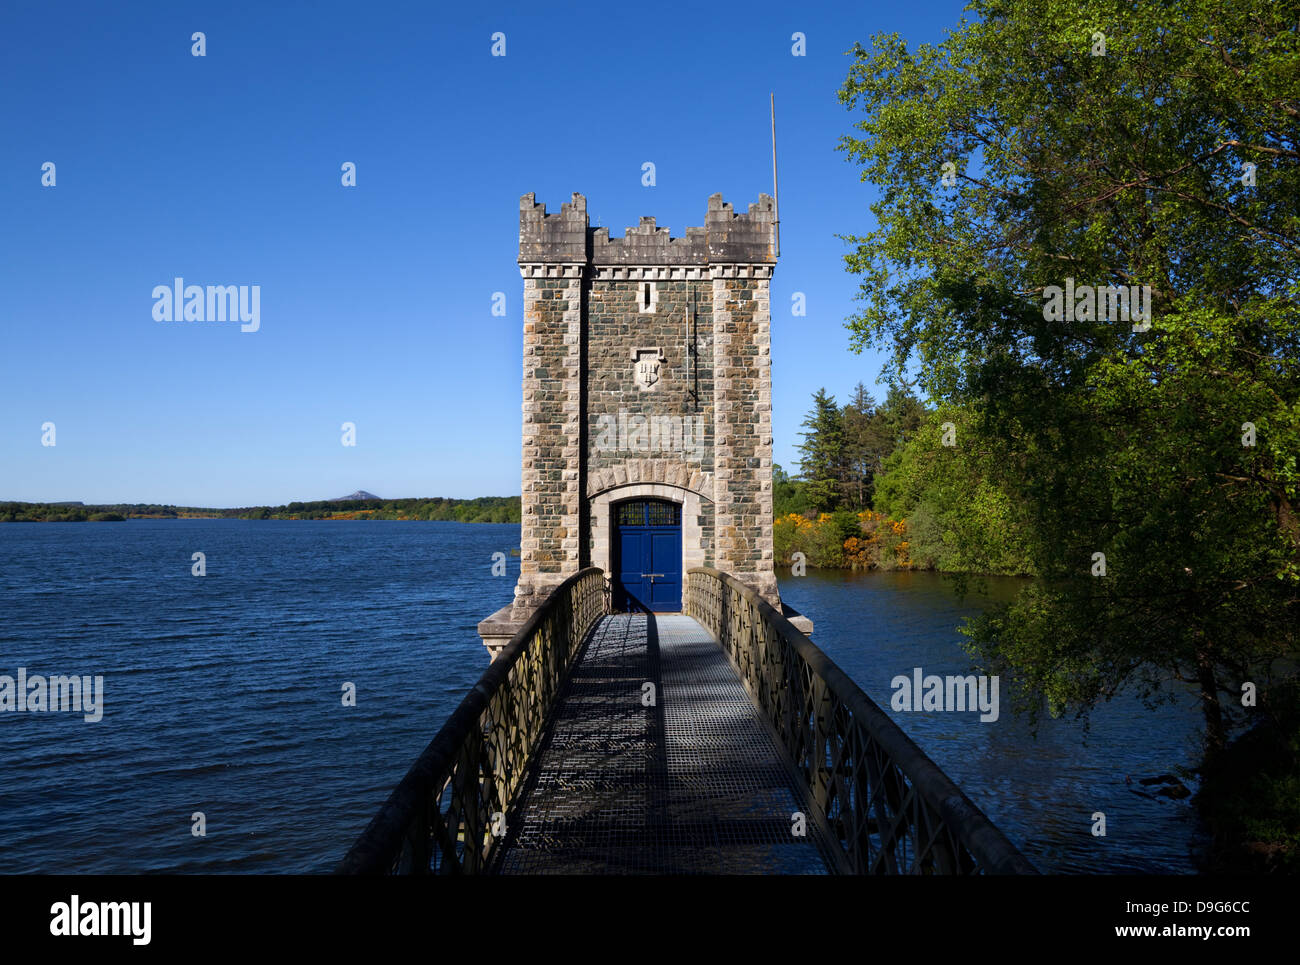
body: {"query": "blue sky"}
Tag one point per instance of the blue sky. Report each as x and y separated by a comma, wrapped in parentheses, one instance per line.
(376, 300)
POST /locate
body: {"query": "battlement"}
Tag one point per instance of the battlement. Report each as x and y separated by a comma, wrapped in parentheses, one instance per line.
(726, 237)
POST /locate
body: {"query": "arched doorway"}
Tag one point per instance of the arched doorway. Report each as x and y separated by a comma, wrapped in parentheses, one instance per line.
(647, 550)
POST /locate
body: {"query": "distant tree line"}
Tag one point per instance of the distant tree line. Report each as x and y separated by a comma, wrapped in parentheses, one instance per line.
(485, 509)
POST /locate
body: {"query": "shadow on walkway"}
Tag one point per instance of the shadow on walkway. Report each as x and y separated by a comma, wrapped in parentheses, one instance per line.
(658, 762)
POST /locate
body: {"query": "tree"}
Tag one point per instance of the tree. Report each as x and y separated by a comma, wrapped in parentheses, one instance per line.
(823, 453)
(865, 446)
(899, 418)
(1056, 144)
(788, 495)
(958, 520)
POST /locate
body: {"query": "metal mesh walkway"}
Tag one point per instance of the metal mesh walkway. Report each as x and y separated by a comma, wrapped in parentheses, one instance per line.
(693, 784)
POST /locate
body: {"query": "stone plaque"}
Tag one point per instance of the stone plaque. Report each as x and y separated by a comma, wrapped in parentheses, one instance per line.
(646, 369)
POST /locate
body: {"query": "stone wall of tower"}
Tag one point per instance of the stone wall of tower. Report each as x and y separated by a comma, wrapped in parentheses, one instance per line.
(743, 413)
(663, 433)
(551, 477)
(694, 424)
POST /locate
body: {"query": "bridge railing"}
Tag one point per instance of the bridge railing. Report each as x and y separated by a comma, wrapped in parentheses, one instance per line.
(891, 808)
(440, 818)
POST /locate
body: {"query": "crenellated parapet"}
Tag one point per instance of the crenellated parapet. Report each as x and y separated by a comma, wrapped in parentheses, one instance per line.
(555, 239)
(726, 238)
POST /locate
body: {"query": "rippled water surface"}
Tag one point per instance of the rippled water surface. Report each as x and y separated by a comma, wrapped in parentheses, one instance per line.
(1043, 791)
(222, 695)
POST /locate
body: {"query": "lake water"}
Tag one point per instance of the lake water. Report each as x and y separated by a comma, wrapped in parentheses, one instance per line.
(1041, 791)
(222, 695)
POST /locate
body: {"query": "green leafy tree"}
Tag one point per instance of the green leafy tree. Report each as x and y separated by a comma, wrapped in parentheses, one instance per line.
(958, 519)
(1020, 156)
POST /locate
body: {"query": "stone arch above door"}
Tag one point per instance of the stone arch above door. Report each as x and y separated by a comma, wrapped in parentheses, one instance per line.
(669, 472)
(690, 500)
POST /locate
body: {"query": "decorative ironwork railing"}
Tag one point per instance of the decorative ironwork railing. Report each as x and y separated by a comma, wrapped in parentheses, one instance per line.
(440, 818)
(891, 808)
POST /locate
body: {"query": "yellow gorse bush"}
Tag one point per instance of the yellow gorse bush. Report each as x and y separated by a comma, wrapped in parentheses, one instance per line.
(877, 546)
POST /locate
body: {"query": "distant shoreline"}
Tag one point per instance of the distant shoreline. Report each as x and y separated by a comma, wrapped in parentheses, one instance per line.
(485, 509)
(344, 517)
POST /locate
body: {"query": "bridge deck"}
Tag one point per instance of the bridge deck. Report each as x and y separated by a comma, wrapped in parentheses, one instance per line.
(694, 784)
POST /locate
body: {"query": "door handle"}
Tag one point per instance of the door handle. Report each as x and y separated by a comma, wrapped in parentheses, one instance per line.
(652, 576)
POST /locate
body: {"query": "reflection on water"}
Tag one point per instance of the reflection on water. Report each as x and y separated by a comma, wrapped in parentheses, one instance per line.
(1041, 791)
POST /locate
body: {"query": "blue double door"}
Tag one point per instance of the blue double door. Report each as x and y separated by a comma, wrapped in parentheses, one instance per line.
(648, 555)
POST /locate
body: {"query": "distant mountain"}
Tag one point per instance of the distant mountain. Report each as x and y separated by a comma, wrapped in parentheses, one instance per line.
(359, 494)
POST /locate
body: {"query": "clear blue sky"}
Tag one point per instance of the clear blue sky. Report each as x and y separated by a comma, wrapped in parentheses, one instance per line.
(376, 300)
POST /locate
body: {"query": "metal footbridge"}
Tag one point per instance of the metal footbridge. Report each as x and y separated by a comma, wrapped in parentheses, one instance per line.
(716, 741)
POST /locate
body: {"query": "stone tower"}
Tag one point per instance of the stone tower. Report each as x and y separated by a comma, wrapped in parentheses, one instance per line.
(647, 405)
